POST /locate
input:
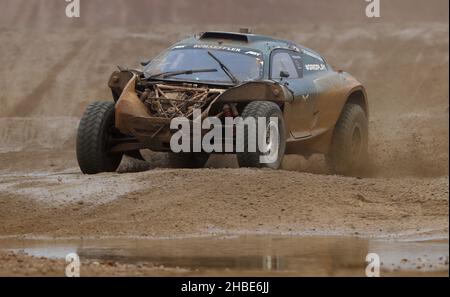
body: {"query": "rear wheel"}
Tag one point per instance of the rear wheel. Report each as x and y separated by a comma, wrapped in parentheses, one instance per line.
(275, 136)
(348, 152)
(96, 134)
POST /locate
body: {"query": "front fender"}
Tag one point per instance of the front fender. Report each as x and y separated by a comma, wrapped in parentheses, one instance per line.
(263, 90)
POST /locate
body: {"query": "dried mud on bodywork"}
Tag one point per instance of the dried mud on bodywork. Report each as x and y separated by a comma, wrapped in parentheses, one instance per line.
(146, 114)
(144, 109)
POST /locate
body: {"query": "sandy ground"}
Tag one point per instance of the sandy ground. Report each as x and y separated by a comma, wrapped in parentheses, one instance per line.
(18, 264)
(177, 203)
(53, 67)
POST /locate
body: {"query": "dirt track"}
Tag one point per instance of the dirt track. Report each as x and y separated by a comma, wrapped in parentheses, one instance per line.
(55, 67)
(166, 203)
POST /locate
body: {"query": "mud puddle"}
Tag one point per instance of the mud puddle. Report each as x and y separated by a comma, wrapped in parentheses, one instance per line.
(270, 255)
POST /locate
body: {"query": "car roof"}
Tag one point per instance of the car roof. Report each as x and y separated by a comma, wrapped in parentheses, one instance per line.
(262, 43)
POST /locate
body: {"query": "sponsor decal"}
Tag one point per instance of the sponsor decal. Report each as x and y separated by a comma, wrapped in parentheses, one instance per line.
(218, 47)
(245, 51)
(253, 53)
(315, 67)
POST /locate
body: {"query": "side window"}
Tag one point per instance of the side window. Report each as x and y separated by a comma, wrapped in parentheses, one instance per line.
(312, 63)
(282, 60)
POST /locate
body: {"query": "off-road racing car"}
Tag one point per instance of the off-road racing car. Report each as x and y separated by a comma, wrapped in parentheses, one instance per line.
(226, 74)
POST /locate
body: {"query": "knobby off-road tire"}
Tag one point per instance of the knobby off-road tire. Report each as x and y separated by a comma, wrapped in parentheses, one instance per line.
(93, 140)
(267, 110)
(348, 152)
(187, 160)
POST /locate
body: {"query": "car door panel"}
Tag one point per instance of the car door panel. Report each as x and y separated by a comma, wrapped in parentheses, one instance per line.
(329, 89)
(300, 113)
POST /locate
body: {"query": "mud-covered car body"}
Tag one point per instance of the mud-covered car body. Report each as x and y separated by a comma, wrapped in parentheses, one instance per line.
(298, 103)
(310, 93)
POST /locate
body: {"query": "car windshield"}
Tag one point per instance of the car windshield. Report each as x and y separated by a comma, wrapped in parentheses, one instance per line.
(198, 64)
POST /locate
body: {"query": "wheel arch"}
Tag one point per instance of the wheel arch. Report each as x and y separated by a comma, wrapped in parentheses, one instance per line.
(358, 96)
(321, 142)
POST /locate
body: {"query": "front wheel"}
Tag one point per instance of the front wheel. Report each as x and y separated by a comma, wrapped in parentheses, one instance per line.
(348, 152)
(95, 137)
(274, 139)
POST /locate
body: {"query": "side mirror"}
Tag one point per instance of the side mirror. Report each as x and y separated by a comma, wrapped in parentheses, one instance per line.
(284, 74)
(145, 62)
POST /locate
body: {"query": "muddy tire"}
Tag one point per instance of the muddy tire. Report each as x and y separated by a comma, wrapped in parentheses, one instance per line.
(267, 110)
(94, 137)
(348, 152)
(187, 160)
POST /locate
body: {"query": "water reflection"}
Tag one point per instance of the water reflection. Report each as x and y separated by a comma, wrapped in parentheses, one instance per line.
(303, 256)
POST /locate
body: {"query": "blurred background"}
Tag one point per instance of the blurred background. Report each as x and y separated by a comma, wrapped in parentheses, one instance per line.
(52, 67)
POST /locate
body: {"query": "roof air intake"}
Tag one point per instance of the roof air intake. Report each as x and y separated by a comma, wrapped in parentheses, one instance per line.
(224, 35)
